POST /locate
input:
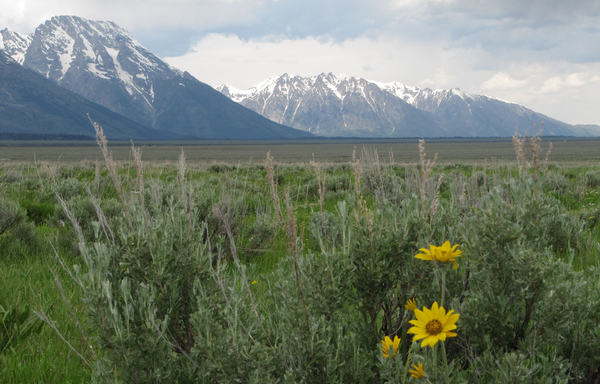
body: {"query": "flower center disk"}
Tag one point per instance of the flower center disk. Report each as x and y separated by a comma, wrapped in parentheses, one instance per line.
(434, 327)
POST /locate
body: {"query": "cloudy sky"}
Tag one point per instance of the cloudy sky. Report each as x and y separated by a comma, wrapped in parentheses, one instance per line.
(544, 54)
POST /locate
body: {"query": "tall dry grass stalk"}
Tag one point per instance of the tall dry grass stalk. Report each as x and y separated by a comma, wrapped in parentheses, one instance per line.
(225, 218)
(102, 219)
(358, 170)
(139, 166)
(321, 184)
(182, 182)
(293, 243)
(435, 201)
(534, 144)
(110, 164)
(217, 278)
(519, 144)
(273, 187)
(97, 174)
(426, 169)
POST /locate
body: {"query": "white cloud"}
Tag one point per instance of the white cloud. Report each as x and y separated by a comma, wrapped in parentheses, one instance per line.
(595, 79)
(556, 83)
(575, 80)
(552, 85)
(502, 80)
(441, 78)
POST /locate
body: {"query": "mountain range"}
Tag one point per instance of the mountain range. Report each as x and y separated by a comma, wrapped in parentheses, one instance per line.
(69, 67)
(105, 64)
(348, 106)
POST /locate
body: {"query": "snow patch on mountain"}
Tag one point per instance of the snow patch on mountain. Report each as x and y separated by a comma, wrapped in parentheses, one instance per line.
(15, 44)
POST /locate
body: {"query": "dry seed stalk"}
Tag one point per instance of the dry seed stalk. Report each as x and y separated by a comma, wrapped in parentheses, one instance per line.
(317, 168)
(435, 201)
(292, 235)
(519, 143)
(426, 169)
(97, 174)
(225, 218)
(102, 219)
(357, 187)
(110, 164)
(139, 166)
(181, 173)
(273, 186)
(217, 278)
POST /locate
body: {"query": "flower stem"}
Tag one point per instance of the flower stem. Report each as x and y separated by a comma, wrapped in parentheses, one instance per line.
(443, 286)
(445, 362)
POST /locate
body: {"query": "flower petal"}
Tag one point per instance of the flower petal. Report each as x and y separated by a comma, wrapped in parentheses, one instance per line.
(418, 323)
(447, 328)
(432, 340)
(427, 313)
(421, 316)
(435, 311)
(452, 319)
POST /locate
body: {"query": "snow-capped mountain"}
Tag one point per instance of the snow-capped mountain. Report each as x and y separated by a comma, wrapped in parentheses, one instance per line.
(105, 64)
(349, 106)
(14, 44)
(332, 106)
(96, 59)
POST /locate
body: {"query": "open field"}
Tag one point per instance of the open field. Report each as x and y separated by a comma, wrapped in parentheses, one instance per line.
(565, 150)
(223, 269)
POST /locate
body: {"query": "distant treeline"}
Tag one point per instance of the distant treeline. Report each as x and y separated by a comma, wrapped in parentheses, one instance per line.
(42, 136)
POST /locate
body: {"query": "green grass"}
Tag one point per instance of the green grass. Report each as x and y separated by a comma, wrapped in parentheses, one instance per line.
(27, 280)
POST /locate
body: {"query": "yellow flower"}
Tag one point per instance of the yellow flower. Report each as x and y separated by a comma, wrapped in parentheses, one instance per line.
(433, 325)
(443, 254)
(417, 372)
(254, 282)
(411, 305)
(387, 343)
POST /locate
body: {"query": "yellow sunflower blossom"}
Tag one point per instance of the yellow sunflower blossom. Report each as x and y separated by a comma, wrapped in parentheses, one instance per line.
(443, 254)
(387, 343)
(417, 372)
(411, 305)
(433, 325)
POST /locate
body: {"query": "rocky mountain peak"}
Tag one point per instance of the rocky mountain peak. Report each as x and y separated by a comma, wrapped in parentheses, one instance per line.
(333, 105)
(14, 44)
(100, 61)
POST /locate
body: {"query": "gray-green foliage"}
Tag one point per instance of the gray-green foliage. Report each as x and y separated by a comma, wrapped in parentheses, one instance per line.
(169, 300)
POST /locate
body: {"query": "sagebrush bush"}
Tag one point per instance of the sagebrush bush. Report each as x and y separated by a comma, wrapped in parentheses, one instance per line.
(169, 270)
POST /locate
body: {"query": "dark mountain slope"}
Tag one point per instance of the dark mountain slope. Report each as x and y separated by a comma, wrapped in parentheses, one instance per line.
(30, 103)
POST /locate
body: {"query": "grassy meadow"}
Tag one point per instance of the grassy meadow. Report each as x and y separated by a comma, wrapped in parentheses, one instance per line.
(294, 263)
